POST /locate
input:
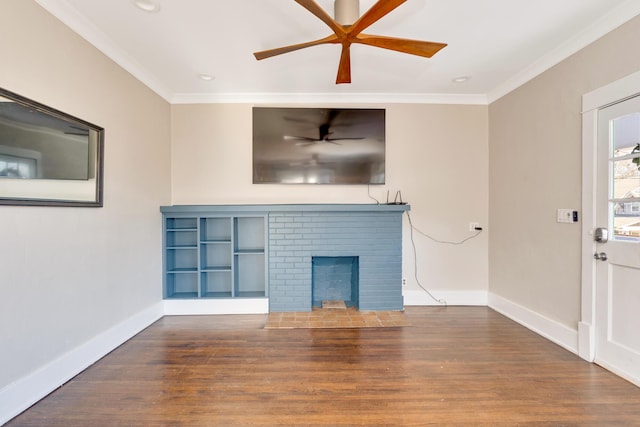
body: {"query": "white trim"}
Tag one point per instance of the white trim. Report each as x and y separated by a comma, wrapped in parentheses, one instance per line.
(586, 341)
(78, 23)
(548, 328)
(619, 372)
(178, 307)
(609, 94)
(20, 395)
(609, 22)
(68, 15)
(616, 91)
(471, 298)
(332, 98)
(586, 344)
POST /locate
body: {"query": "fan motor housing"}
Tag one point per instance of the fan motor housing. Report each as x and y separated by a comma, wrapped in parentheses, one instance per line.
(346, 12)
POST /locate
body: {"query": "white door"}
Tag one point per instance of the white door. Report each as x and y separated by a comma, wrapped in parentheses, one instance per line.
(617, 294)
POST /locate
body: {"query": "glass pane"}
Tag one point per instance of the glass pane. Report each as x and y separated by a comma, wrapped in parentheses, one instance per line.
(626, 134)
(626, 177)
(626, 228)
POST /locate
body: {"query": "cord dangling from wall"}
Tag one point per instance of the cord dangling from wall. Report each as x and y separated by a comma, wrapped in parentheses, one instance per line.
(415, 255)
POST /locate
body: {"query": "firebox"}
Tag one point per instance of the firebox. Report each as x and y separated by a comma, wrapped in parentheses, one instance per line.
(334, 279)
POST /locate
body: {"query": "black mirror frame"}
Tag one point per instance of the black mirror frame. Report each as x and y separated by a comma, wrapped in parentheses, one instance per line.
(97, 202)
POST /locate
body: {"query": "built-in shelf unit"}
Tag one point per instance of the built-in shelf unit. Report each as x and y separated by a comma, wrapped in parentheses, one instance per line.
(213, 253)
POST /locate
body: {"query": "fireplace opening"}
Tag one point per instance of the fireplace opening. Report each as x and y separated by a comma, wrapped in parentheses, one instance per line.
(334, 279)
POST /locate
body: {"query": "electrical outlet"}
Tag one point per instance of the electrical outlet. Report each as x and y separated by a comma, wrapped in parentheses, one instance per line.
(473, 225)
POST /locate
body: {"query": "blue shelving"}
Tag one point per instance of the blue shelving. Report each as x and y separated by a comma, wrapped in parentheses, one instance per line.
(213, 255)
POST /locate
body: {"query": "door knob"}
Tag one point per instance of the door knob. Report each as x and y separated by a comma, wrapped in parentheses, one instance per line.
(601, 235)
(602, 256)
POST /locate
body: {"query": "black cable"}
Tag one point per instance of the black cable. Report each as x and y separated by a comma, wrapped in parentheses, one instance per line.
(413, 244)
(415, 253)
(370, 196)
(415, 264)
(478, 231)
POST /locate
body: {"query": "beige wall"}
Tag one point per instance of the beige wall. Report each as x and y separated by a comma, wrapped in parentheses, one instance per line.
(535, 168)
(68, 274)
(436, 155)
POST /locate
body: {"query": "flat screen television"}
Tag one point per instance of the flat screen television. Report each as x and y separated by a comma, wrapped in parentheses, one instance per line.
(318, 146)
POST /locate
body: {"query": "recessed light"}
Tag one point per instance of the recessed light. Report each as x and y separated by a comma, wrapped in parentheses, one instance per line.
(461, 79)
(147, 5)
(206, 77)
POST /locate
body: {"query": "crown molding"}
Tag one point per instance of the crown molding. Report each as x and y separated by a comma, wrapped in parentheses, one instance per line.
(328, 98)
(609, 22)
(69, 16)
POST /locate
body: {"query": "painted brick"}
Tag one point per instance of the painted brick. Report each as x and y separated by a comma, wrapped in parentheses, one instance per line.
(374, 237)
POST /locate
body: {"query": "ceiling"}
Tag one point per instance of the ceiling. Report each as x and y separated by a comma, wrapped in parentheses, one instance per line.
(497, 44)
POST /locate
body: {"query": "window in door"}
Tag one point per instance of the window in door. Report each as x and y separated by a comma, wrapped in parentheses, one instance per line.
(625, 169)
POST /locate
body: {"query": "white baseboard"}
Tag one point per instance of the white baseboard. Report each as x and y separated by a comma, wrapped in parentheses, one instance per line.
(20, 395)
(216, 306)
(412, 297)
(619, 372)
(586, 341)
(548, 328)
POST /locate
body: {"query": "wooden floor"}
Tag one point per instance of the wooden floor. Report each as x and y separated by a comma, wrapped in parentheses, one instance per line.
(452, 366)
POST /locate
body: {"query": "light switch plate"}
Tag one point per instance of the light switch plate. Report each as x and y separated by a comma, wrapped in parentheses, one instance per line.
(565, 215)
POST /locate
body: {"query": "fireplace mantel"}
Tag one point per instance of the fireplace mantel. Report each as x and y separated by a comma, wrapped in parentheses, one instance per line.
(305, 207)
(295, 233)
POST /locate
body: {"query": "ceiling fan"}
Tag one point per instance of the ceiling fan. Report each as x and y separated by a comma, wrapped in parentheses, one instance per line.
(324, 133)
(347, 34)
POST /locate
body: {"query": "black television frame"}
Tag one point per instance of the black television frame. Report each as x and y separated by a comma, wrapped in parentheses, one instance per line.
(314, 145)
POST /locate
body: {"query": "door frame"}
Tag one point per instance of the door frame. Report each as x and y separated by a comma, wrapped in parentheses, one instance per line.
(613, 93)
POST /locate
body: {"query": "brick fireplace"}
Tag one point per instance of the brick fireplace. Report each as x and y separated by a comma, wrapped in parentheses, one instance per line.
(370, 234)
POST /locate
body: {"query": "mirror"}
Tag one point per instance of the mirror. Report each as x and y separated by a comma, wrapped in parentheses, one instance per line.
(47, 157)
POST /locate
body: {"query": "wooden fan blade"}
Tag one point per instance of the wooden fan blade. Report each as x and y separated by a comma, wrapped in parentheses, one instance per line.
(413, 47)
(286, 49)
(377, 11)
(314, 8)
(344, 70)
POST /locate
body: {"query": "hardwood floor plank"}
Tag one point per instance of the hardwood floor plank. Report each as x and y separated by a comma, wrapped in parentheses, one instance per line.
(452, 366)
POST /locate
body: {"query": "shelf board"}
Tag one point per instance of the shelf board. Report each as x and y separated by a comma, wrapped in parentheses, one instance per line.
(215, 241)
(216, 268)
(182, 229)
(216, 295)
(180, 295)
(183, 270)
(183, 247)
(258, 251)
(252, 294)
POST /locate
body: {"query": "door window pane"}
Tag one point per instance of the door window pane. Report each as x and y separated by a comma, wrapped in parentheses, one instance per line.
(625, 169)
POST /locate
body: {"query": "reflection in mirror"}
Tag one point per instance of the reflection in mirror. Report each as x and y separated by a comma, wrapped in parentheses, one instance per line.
(47, 157)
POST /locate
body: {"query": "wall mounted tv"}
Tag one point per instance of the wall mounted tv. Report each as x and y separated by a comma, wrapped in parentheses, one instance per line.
(318, 146)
